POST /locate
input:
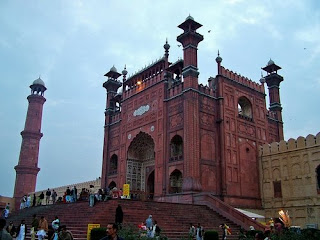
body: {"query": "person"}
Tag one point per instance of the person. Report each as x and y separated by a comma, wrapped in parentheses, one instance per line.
(156, 230)
(192, 231)
(65, 234)
(21, 231)
(149, 225)
(119, 216)
(23, 202)
(34, 226)
(4, 235)
(112, 232)
(34, 200)
(42, 228)
(75, 193)
(68, 193)
(11, 229)
(91, 198)
(55, 224)
(7, 211)
(54, 196)
(41, 197)
(48, 195)
(224, 231)
(199, 232)
(28, 203)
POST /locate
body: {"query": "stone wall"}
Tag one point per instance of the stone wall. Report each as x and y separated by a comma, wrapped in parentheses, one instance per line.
(61, 190)
(288, 179)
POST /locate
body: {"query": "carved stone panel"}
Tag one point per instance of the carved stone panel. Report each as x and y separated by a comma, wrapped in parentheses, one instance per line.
(176, 120)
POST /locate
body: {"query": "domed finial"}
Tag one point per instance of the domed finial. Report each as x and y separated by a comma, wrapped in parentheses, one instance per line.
(113, 69)
(189, 17)
(218, 59)
(124, 71)
(270, 62)
(39, 81)
(262, 79)
(166, 46)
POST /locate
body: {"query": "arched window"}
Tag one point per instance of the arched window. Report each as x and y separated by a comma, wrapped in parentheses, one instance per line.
(244, 108)
(175, 182)
(176, 148)
(113, 164)
(318, 178)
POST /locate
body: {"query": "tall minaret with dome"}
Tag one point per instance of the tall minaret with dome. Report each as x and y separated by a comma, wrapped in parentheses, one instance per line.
(27, 168)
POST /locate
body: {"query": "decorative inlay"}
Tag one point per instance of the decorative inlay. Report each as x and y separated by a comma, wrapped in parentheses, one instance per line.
(141, 110)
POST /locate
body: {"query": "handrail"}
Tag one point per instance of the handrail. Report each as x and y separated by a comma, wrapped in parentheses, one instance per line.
(227, 211)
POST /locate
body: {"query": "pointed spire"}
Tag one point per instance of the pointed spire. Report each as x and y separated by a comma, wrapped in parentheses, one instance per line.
(218, 59)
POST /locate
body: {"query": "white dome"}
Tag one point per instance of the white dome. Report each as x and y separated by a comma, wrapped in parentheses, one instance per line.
(38, 82)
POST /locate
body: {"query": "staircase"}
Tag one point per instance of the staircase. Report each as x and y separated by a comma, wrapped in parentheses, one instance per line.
(172, 218)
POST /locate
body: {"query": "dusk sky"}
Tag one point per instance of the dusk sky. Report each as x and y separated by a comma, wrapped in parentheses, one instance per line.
(72, 44)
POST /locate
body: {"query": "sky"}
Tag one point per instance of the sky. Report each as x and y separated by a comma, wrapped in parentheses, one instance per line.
(72, 44)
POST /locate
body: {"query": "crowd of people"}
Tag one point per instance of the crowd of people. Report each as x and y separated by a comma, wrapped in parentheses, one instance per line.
(39, 228)
(150, 228)
(69, 196)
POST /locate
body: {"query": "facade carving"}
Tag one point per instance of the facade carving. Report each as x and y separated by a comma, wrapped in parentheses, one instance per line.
(290, 179)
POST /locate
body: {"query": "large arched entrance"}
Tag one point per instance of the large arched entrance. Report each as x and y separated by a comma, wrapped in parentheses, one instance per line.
(140, 164)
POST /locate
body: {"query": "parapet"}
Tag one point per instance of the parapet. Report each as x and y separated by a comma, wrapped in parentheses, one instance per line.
(290, 145)
(241, 79)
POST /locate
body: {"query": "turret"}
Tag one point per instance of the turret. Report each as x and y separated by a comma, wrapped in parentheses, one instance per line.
(190, 40)
(111, 85)
(273, 80)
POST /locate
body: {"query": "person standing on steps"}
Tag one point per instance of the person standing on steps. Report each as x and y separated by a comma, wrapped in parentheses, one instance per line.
(21, 231)
(54, 196)
(42, 228)
(48, 195)
(11, 229)
(199, 232)
(149, 225)
(192, 231)
(34, 227)
(41, 197)
(64, 234)
(112, 232)
(119, 216)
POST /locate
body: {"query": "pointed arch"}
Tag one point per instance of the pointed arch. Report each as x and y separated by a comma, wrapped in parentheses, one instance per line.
(244, 107)
(175, 181)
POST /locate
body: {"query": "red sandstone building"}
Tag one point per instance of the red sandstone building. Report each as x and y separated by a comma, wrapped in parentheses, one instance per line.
(170, 137)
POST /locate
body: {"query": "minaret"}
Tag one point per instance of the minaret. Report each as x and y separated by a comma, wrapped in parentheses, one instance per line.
(191, 144)
(111, 86)
(273, 80)
(189, 40)
(27, 168)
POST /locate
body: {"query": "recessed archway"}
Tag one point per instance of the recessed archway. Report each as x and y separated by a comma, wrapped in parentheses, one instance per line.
(140, 157)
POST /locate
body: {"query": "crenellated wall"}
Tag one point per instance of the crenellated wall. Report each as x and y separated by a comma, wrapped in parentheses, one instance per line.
(300, 143)
(288, 179)
(241, 79)
(206, 90)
